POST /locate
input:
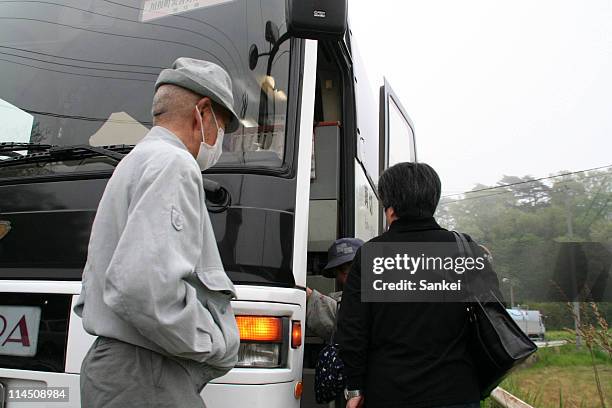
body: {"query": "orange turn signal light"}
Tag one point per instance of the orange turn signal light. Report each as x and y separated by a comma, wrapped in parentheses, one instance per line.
(260, 328)
(296, 334)
(298, 390)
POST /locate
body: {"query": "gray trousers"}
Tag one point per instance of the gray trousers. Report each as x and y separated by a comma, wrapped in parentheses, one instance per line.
(115, 374)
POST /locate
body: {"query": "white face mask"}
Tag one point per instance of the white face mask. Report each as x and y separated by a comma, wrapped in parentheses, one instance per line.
(209, 155)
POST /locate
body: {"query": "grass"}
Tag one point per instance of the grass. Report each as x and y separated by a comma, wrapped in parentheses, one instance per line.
(560, 335)
(561, 377)
(566, 356)
(571, 386)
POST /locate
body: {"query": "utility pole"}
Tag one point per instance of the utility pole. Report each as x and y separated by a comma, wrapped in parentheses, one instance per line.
(570, 234)
(510, 283)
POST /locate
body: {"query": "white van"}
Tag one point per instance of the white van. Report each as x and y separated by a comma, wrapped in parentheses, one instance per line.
(530, 321)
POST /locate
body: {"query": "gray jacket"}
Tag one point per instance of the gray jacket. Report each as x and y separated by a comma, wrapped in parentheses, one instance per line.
(321, 313)
(154, 276)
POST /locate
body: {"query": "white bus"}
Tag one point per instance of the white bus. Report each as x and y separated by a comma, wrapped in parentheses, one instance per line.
(76, 84)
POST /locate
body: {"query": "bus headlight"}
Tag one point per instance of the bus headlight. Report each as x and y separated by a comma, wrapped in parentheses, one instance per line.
(259, 355)
(263, 340)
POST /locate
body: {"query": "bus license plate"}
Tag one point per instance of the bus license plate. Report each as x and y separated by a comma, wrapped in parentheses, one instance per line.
(19, 326)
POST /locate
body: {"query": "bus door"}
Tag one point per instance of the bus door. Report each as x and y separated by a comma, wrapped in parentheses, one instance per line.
(342, 198)
(351, 142)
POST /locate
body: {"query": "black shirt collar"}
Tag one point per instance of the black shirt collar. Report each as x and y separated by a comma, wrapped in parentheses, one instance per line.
(415, 224)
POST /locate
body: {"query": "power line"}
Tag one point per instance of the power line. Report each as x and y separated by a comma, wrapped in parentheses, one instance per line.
(510, 191)
(474, 198)
(528, 181)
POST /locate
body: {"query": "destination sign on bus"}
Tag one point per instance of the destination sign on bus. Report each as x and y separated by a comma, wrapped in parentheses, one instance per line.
(153, 9)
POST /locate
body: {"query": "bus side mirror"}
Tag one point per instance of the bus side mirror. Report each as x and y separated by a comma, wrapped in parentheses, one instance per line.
(317, 19)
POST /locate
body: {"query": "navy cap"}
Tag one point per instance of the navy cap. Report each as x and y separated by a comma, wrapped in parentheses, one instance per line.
(343, 250)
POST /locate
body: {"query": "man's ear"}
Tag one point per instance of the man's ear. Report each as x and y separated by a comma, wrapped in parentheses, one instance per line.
(390, 212)
(198, 117)
(202, 105)
(390, 215)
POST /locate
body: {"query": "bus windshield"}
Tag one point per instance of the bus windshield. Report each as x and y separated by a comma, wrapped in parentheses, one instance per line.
(82, 72)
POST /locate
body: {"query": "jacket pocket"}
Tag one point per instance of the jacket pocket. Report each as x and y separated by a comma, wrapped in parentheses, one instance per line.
(223, 331)
(220, 308)
(216, 280)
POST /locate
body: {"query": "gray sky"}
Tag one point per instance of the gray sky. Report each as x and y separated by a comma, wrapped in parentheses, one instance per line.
(496, 87)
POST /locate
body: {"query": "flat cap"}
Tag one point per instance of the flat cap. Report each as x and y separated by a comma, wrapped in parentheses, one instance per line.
(205, 79)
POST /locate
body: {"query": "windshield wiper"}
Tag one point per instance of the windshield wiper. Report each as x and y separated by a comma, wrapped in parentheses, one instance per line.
(9, 149)
(52, 153)
(82, 151)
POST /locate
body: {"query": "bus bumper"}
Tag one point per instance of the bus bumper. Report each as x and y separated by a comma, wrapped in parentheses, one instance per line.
(251, 396)
(280, 395)
(23, 380)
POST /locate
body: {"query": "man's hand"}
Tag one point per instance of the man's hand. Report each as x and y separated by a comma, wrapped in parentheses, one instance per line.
(308, 292)
(355, 402)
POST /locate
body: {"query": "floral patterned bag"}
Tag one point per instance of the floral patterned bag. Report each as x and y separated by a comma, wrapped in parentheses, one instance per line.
(329, 381)
(329, 374)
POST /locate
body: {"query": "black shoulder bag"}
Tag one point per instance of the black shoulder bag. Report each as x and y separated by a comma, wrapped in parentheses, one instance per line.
(497, 344)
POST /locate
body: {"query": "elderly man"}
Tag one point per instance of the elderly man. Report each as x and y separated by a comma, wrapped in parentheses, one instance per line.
(321, 310)
(154, 288)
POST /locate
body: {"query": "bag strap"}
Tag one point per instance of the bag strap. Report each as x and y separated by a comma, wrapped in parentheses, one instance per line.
(463, 244)
(331, 339)
(465, 249)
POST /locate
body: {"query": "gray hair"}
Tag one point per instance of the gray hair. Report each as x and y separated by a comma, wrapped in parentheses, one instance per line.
(172, 102)
(411, 189)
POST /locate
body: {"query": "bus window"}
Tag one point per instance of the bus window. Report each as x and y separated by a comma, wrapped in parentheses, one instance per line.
(398, 131)
(83, 72)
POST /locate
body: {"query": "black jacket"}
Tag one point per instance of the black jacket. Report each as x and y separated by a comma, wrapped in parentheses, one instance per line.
(407, 354)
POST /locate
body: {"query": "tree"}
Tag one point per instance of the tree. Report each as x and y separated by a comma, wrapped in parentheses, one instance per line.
(522, 221)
